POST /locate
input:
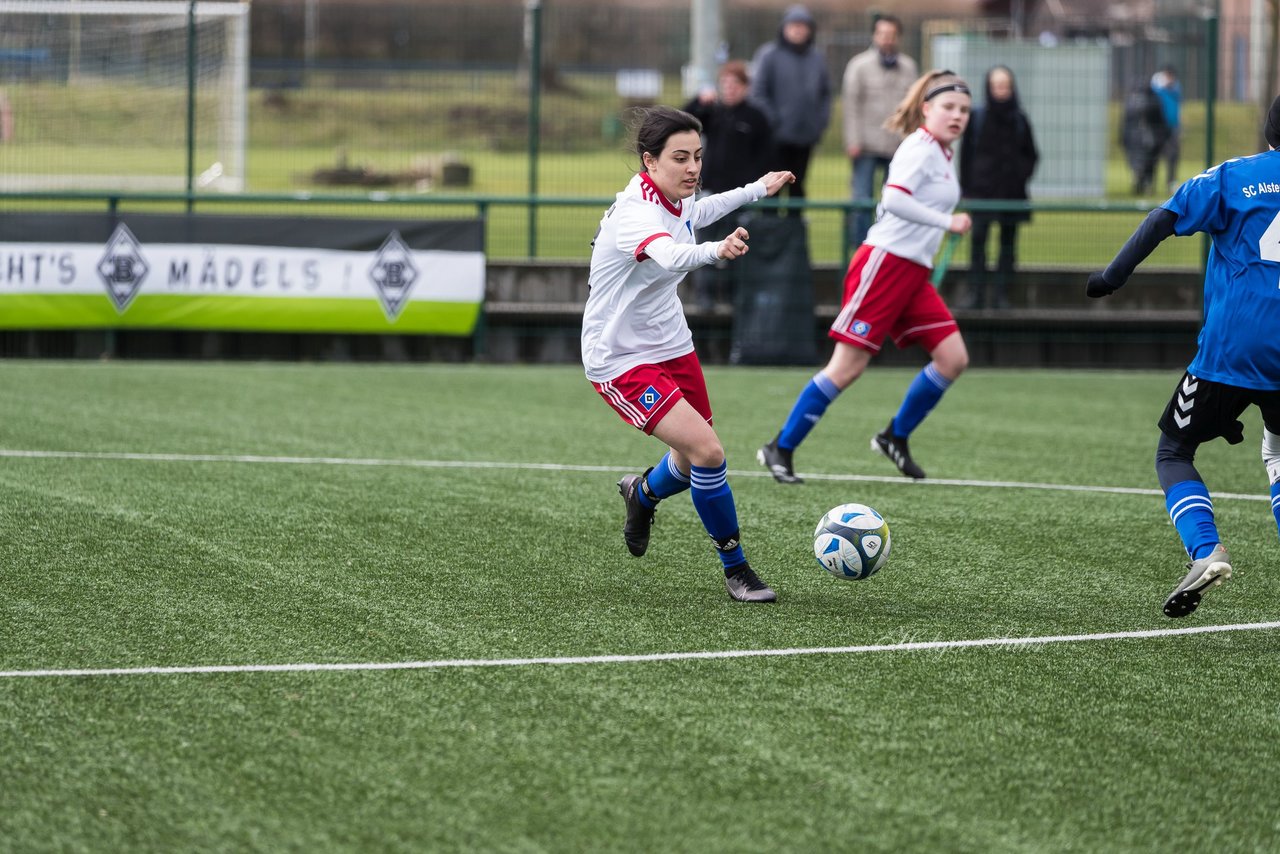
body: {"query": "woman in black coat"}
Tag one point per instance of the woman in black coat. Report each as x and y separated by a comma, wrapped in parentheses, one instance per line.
(997, 158)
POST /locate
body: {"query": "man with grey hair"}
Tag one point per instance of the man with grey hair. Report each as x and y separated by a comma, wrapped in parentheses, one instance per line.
(875, 81)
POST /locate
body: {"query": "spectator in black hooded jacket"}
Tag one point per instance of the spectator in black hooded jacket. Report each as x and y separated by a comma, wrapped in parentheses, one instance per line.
(998, 155)
(793, 87)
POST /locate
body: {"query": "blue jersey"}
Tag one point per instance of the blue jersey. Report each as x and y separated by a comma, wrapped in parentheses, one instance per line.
(1237, 204)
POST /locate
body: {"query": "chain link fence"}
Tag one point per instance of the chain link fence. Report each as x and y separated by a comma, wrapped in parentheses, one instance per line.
(433, 110)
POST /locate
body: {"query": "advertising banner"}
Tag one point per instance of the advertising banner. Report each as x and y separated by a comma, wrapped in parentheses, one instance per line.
(279, 274)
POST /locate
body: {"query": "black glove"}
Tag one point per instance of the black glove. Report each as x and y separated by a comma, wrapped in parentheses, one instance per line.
(1099, 286)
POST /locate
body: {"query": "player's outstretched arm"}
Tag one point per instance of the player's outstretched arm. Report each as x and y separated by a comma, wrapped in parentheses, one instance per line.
(775, 181)
(1155, 228)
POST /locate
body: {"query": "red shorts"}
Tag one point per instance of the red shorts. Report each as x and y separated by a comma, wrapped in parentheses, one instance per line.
(644, 394)
(885, 295)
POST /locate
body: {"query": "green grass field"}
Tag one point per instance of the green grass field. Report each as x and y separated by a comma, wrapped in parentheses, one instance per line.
(235, 516)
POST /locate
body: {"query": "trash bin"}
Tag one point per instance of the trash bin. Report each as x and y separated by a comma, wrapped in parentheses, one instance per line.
(773, 320)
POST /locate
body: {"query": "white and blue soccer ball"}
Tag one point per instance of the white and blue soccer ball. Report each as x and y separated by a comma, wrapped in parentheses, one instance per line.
(852, 542)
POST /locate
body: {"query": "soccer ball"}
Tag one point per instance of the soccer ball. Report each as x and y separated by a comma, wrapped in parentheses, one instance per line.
(852, 542)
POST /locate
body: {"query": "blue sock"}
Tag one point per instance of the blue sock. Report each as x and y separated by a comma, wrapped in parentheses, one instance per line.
(1275, 502)
(1191, 511)
(922, 395)
(663, 481)
(808, 408)
(713, 500)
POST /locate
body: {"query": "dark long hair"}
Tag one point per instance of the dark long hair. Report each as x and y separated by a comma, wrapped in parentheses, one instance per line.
(657, 124)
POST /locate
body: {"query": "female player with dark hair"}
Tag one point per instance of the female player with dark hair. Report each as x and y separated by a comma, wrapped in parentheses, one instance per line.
(637, 348)
(1237, 361)
(887, 290)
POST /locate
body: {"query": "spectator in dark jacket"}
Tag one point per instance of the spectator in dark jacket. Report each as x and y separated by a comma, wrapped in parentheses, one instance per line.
(997, 158)
(1143, 134)
(794, 89)
(739, 141)
(738, 149)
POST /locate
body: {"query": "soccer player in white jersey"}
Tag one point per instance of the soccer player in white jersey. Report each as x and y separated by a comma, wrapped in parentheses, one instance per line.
(886, 290)
(637, 348)
(1237, 361)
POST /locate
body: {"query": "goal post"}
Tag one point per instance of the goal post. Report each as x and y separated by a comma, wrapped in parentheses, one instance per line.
(96, 94)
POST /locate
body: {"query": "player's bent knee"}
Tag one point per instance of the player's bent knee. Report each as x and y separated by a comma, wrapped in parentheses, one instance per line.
(1175, 462)
(707, 455)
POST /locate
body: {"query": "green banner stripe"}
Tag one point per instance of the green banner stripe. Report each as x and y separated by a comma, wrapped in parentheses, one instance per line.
(234, 314)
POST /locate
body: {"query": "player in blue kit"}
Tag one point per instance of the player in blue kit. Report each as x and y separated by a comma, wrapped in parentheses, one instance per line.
(1237, 363)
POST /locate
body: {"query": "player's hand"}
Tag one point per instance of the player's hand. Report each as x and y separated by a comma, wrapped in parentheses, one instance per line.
(960, 223)
(775, 181)
(1099, 286)
(735, 245)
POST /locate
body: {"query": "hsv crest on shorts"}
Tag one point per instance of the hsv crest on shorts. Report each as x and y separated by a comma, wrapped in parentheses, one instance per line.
(650, 398)
(122, 267)
(393, 275)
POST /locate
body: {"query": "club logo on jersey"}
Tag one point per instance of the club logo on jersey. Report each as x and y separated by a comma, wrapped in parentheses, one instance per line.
(393, 275)
(861, 327)
(122, 267)
(649, 398)
(1260, 188)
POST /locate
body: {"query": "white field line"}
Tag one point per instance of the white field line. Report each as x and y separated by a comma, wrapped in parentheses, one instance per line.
(441, 664)
(517, 466)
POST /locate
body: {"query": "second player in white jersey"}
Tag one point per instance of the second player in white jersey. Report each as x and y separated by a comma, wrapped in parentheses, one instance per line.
(919, 195)
(887, 293)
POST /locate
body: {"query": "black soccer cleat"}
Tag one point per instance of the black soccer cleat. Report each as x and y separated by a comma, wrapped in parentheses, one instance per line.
(895, 449)
(778, 462)
(1208, 571)
(635, 531)
(745, 586)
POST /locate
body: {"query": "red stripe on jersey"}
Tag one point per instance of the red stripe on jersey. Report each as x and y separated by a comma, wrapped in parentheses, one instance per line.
(640, 253)
(900, 187)
(945, 149)
(653, 194)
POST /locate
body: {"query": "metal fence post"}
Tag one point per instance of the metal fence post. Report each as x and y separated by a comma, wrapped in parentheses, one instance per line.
(191, 105)
(534, 8)
(1210, 101)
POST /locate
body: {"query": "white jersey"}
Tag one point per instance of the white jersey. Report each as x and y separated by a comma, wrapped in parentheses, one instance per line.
(922, 169)
(643, 249)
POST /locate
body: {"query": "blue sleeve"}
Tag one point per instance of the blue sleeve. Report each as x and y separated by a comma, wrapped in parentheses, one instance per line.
(1200, 204)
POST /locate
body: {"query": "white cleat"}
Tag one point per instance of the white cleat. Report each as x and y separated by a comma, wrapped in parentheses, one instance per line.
(1208, 571)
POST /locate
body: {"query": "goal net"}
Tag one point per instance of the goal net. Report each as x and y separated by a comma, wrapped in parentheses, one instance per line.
(123, 95)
